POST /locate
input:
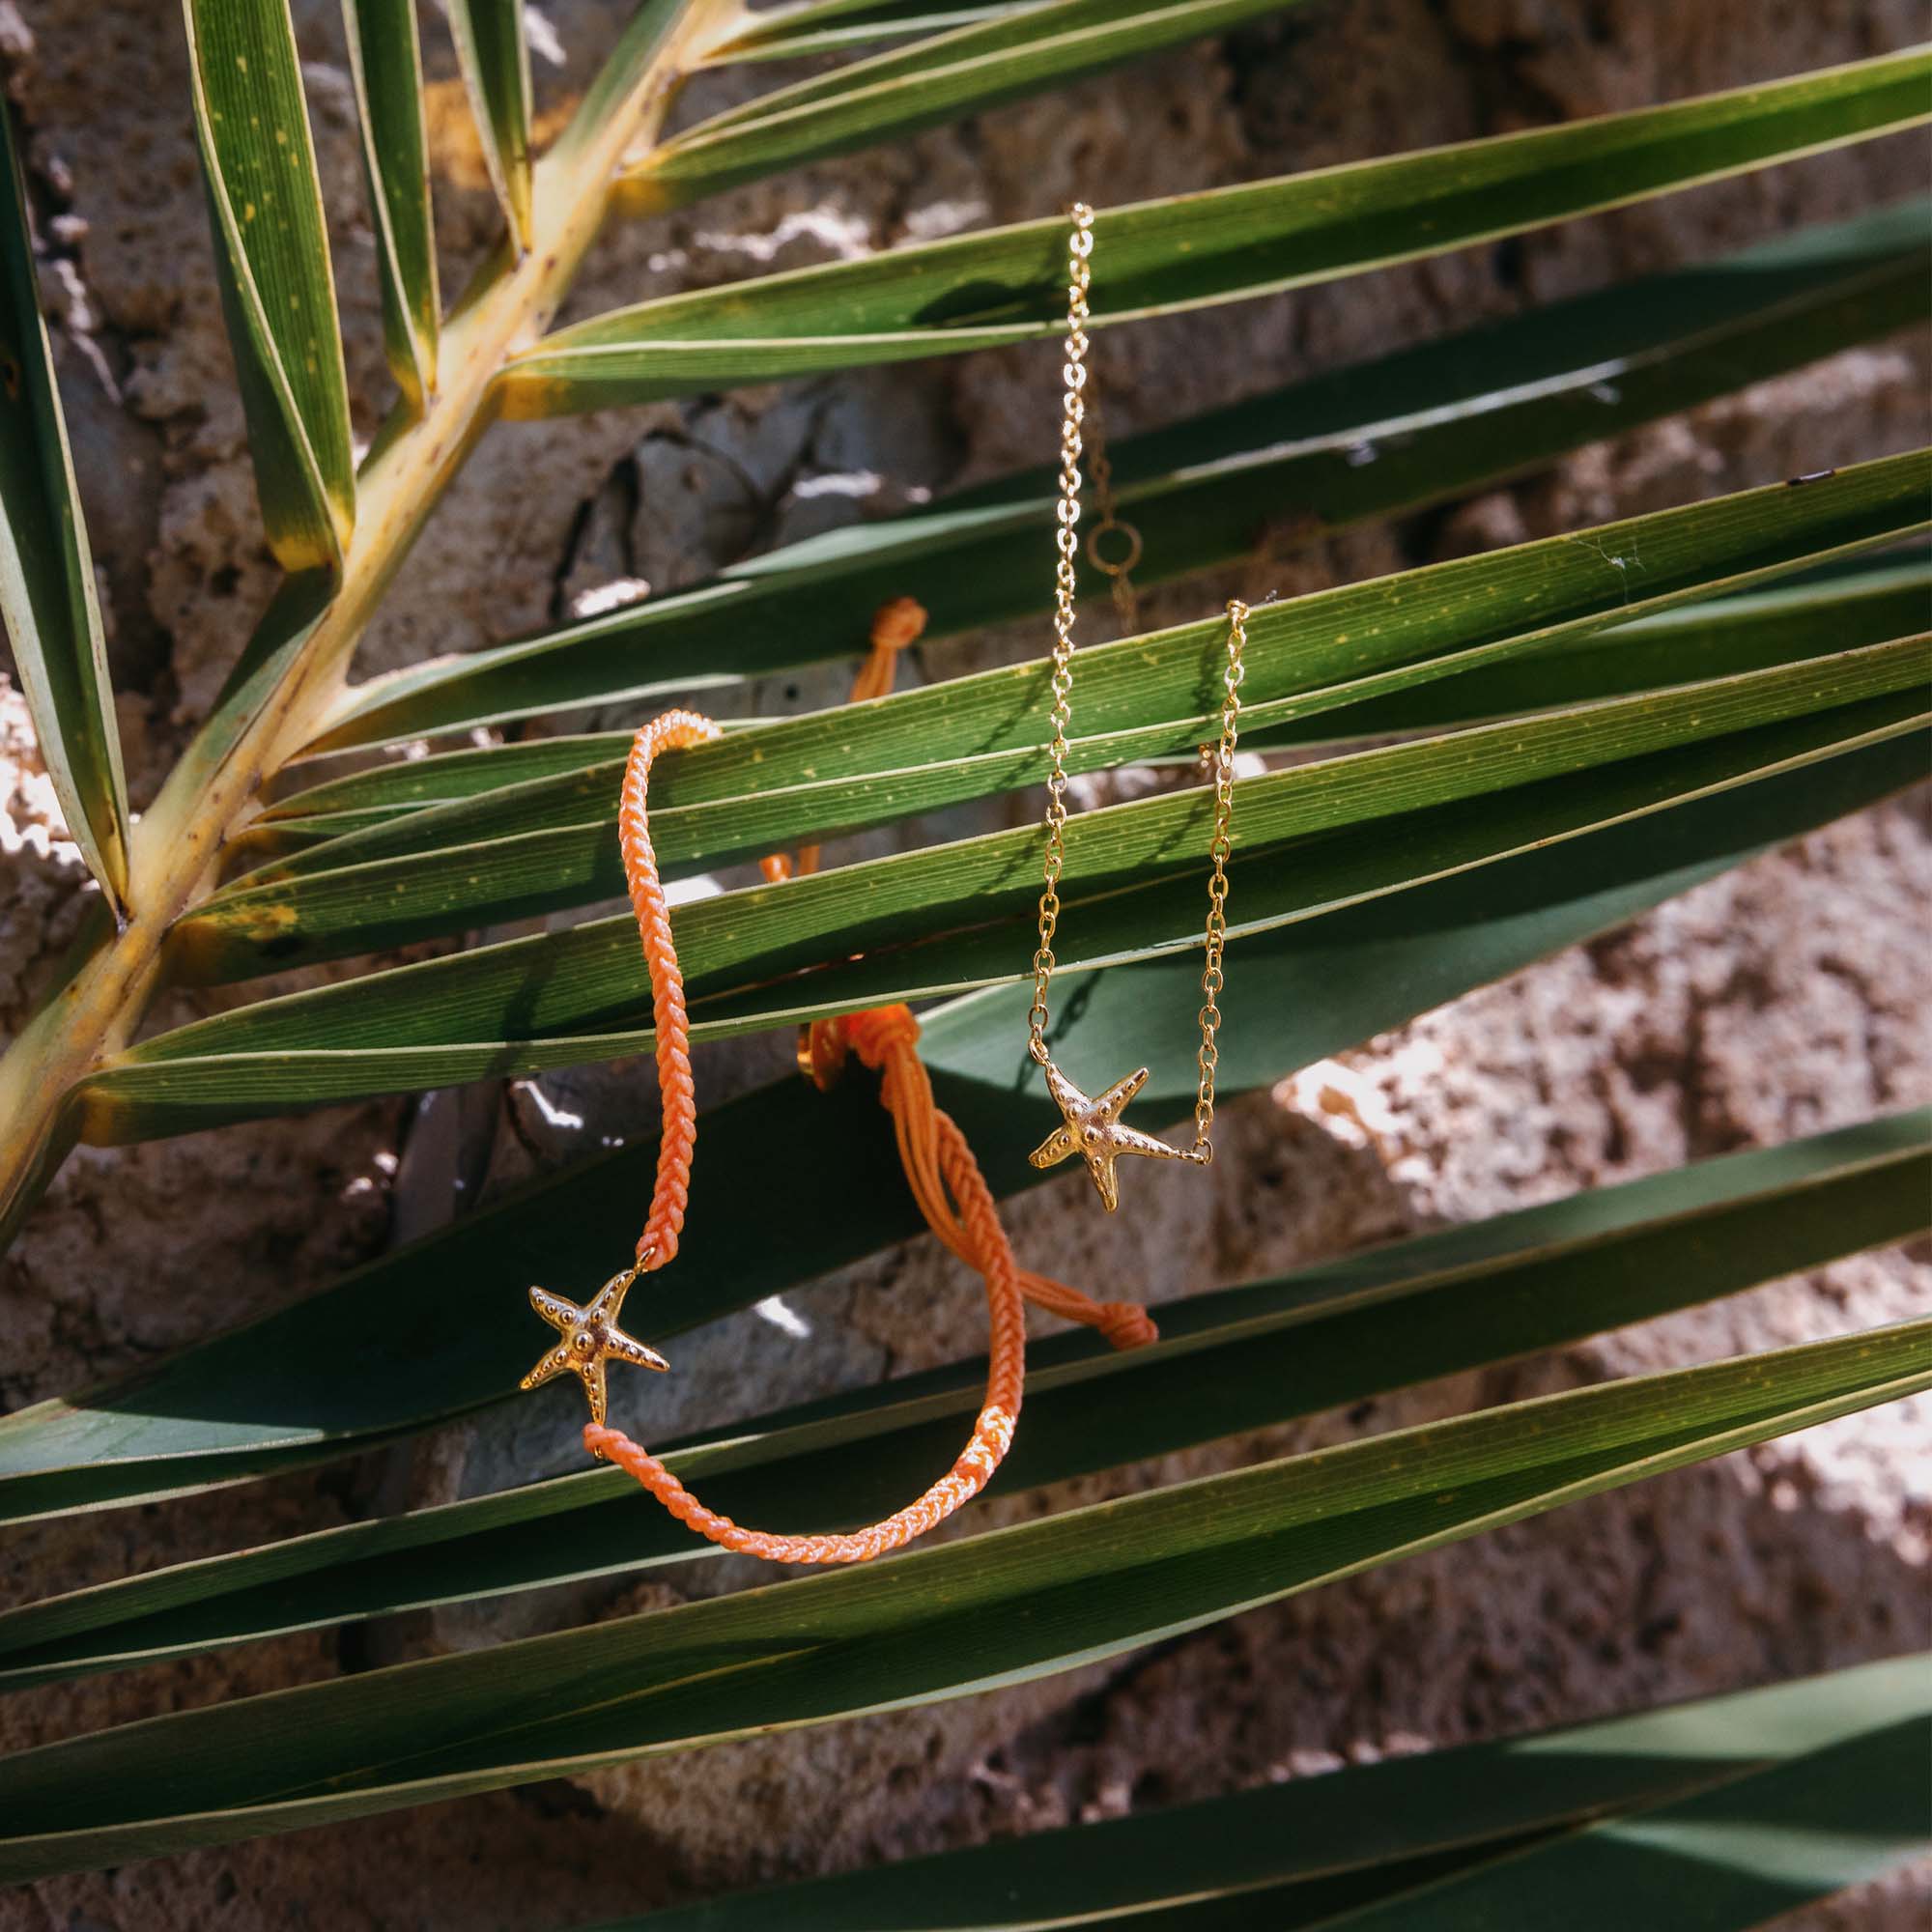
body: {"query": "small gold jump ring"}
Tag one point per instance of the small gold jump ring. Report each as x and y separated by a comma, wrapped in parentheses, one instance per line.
(1127, 562)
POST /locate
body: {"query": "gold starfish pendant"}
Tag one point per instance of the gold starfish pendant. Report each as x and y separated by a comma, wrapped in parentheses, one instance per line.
(591, 1337)
(1093, 1129)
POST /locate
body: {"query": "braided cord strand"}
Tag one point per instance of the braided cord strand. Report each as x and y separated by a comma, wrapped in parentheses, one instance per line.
(940, 1168)
(674, 732)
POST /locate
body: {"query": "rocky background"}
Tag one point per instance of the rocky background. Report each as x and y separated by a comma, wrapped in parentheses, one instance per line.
(1779, 1000)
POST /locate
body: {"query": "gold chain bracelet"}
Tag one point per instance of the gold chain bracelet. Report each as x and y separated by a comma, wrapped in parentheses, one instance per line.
(1090, 1123)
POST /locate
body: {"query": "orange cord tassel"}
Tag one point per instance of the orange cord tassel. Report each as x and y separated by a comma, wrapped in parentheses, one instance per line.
(943, 1177)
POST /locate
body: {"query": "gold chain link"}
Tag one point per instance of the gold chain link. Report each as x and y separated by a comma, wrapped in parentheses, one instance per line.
(1211, 979)
(1079, 247)
(1078, 412)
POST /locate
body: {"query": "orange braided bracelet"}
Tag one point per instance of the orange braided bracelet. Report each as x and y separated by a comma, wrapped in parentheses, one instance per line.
(945, 1179)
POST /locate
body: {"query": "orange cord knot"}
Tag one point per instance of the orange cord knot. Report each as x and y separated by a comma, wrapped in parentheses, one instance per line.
(896, 625)
(873, 1033)
(1127, 1324)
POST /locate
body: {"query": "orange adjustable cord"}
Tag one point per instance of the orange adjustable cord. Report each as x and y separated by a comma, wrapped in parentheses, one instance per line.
(945, 1179)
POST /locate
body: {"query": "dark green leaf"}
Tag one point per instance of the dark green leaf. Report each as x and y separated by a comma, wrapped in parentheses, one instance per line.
(1462, 410)
(1288, 884)
(945, 77)
(1240, 1359)
(1738, 1854)
(1754, 629)
(277, 289)
(580, 995)
(340, 1371)
(1159, 257)
(546, 844)
(761, 932)
(48, 601)
(386, 64)
(884, 904)
(494, 56)
(1743, 632)
(826, 26)
(1295, 1853)
(936, 1623)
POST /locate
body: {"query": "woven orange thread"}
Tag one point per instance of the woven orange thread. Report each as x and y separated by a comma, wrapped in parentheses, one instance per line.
(675, 732)
(945, 1179)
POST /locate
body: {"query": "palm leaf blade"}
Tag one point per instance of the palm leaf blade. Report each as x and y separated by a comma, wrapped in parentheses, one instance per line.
(1466, 411)
(48, 603)
(984, 291)
(1240, 1359)
(277, 288)
(933, 1624)
(1755, 1847)
(385, 63)
(510, 787)
(1329, 984)
(822, 26)
(1298, 1853)
(627, 69)
(945, 77)
(494, 53)
(548, 843)
(1880, 598)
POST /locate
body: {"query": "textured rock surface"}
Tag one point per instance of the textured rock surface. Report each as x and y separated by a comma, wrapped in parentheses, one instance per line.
(1786, 998)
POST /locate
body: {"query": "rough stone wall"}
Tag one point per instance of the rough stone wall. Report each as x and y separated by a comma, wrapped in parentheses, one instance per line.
(1780, 999)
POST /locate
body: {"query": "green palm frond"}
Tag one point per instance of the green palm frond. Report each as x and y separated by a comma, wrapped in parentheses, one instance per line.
(386, 64)
(1190, 251)
(494, 51)
(48, 603)
(1468, 409)
(277, 288)
(1762, 1801)
(992, 1609)
(1495, 757)
(225, 1408)
(1242, 1358)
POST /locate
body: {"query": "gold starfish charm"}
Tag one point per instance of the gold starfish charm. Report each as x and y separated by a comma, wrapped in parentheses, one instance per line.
(1093, 1130)
(591, 1337)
